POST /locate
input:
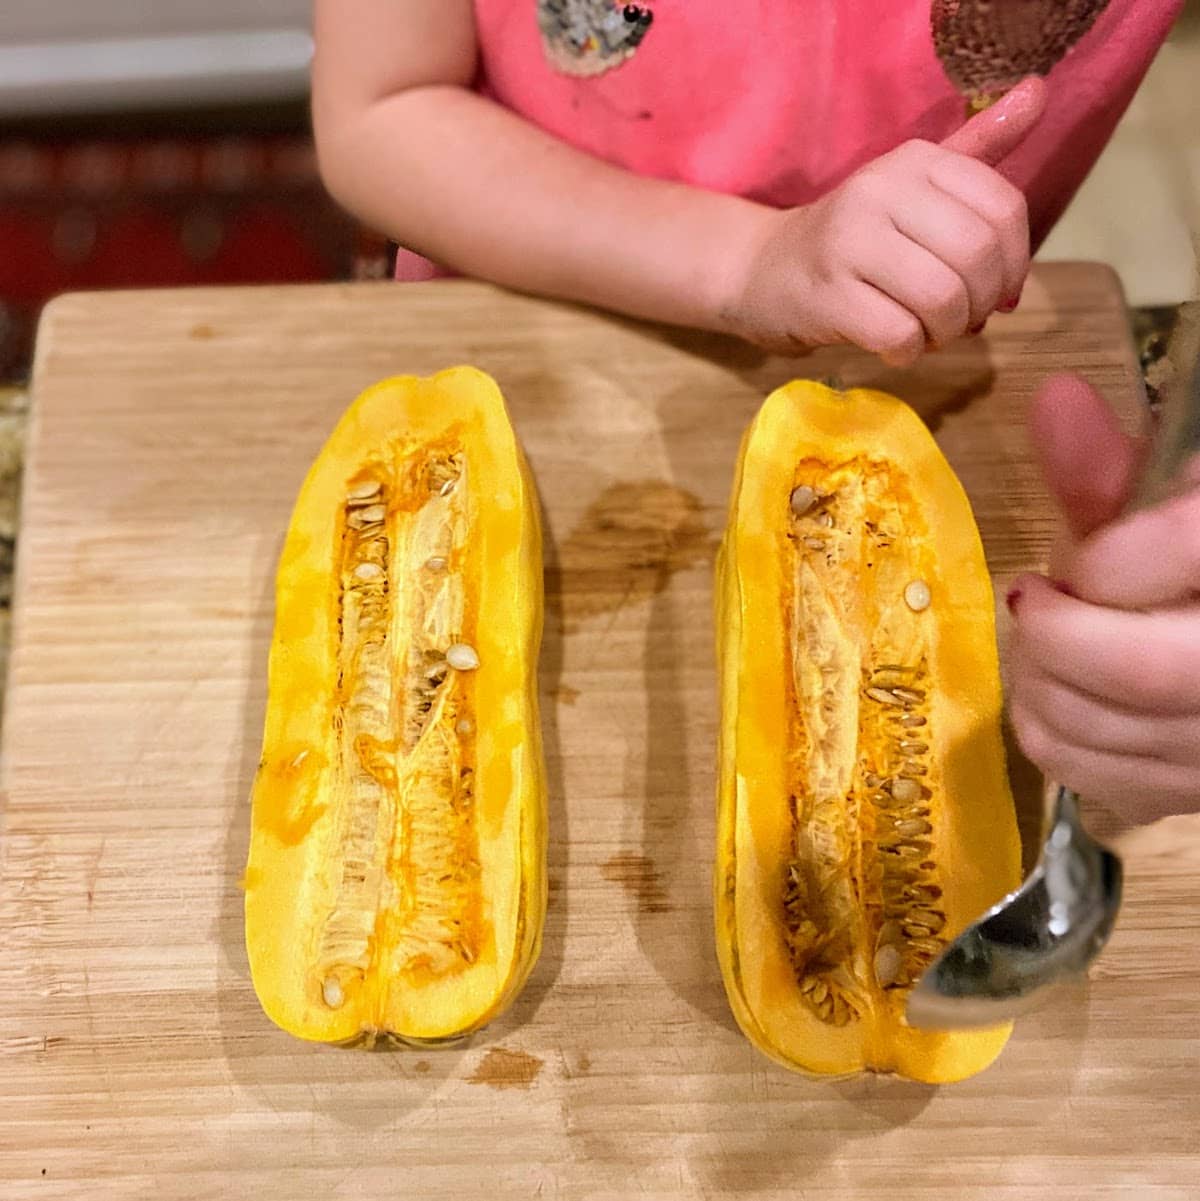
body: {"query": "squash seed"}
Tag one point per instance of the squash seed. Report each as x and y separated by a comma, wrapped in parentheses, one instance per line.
(913, 828)
(912, 695)
(368, 571)
(913, 719)
(889, 932)
(888, 962)
(927, 917)
(365, 490)
(926, 946)
(814, 543)
(913, 748)
(465, 726)
(884, 697)
(825, 520)
(371, 514)
(905, 790)
(917, 595)
(802, 500)
(436, 563)
(331, 992)
(462, 657)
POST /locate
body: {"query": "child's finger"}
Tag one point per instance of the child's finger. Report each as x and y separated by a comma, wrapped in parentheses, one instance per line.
(923, 285)
(1146, 560)
(1146, 661)
(992, 135)
(1141, 787)
(1088, 461)
(1090, 721)
(958, 237)
(863, 316)
(1000, 204)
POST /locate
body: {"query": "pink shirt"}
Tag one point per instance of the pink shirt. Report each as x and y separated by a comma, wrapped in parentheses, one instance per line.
(780, 100)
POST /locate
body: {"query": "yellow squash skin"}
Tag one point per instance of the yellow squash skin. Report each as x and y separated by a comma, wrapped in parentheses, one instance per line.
(836, 883)
(396, 882)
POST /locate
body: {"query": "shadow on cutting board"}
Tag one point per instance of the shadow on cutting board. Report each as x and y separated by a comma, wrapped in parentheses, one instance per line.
(935, 388)
(364, 1089)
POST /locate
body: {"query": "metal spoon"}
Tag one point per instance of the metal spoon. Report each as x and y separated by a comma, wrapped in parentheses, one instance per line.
(1061, 917)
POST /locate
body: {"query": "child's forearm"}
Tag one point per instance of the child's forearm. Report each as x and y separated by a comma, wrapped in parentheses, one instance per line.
(470, 185)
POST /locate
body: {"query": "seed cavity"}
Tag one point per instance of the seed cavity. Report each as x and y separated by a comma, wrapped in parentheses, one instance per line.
(860, 905)
(403, 895)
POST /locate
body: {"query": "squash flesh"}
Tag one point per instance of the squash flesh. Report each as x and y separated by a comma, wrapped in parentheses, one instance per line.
(396, 879)
(864, 813)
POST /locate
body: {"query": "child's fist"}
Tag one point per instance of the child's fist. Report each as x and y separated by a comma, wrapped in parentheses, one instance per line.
(915, 249)
(1105, 669)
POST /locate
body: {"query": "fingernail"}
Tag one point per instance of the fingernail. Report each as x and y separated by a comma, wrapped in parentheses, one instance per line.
(1014, 595)
(977, 329)
(1007, 306)
(1065, 589)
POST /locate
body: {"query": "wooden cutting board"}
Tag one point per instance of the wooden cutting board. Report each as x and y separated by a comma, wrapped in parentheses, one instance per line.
(172, 431)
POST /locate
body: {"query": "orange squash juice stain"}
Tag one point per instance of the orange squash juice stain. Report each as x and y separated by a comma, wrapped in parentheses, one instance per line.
(501, 1068)
(627, 545)
(639, 879)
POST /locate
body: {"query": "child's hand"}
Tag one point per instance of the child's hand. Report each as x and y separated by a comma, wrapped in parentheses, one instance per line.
(1105, 689)
(915, 249)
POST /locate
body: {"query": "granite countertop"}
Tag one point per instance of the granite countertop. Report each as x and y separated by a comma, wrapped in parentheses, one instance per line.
(14, 407)
(1152, 328)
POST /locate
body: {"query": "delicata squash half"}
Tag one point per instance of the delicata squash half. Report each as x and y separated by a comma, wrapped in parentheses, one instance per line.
(396, 881)
(864, 815)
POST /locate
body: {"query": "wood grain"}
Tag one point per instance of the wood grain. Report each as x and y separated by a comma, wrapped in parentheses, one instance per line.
(172, 431)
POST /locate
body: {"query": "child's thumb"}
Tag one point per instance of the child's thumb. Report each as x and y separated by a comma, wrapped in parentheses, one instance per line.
(992, 135)
(1089, 463)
